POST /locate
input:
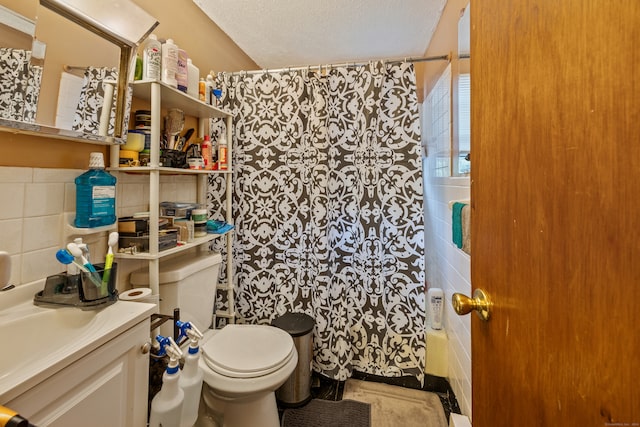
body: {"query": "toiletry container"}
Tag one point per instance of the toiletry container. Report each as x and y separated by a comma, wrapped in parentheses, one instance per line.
(95, 195)
(188, 283)
(202, 90)
(151, 58)
(193, 75)
(182, 72)
(169, 63)
(209, 85)
(223, 163)
(435, 297)
(205, 149)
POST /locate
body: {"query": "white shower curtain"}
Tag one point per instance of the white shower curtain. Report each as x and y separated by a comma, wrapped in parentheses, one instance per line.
(328, 211)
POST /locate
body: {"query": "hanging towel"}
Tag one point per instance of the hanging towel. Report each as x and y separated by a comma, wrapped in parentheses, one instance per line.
(456, 223)
(466, 229)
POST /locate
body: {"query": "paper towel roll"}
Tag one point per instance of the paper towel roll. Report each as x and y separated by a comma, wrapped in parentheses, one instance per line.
(139, 295)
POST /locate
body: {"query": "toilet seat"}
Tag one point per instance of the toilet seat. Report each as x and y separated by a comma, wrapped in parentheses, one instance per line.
(248, 351)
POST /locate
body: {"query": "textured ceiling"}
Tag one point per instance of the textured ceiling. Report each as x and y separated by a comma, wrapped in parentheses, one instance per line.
(287, 33)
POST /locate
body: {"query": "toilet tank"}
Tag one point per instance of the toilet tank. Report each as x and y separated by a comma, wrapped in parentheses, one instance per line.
(188, 283)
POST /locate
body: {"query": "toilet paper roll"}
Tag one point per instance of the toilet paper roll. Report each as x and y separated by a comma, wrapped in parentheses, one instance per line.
(140, 295)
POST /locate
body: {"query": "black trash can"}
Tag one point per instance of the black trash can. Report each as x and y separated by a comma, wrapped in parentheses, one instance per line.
(296, 391)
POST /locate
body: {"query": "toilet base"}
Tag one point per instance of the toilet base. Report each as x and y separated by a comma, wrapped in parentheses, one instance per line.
(260, 410)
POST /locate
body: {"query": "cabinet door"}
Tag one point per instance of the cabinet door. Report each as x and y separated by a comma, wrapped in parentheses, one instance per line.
(108, 387)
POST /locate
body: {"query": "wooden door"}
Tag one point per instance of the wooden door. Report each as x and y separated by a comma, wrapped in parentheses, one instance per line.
(556, 212)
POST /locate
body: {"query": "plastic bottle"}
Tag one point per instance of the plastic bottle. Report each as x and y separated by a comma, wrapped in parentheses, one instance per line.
(436, 305)
(182, 73)
(166, 406)
(151, 58)
(193, 74)
(223, 163)
(191, 376)
(169, 63)
(205, 148)
(95, 195)
(209, 90)
(202, 90)
(217, 96)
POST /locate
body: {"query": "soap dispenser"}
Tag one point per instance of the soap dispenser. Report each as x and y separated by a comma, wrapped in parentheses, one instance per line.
(166, 406)
(192, 376)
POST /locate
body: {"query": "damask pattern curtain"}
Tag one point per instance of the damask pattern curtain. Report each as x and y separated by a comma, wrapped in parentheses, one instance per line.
(89, 107)
(328, 211)
(19, 86)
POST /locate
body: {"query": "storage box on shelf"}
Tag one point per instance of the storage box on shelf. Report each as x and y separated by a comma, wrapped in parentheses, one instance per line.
(159, 96)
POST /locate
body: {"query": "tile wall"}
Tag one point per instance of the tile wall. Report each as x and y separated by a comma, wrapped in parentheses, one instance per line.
(447, 267)
(37, 204)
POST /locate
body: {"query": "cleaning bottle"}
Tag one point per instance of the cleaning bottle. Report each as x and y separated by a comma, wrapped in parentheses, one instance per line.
(169, 63)
(166, 406)
(192, 376)
(151, 58)
(95, 195)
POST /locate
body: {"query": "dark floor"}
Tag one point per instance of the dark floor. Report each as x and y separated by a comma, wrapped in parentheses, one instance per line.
(328, 389)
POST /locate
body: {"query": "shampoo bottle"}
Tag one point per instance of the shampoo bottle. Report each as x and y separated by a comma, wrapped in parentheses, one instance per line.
(151, 58)
(182, 73)
(166, 406)
(95, 195)
(223, 163)
(205, 148)
(169, 63)
(193, 75)
(209, 90)
(436, 305)
(191, 376)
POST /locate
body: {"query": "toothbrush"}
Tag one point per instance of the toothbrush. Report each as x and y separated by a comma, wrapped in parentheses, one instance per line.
(108, 261)
(75, 250)
(66, 258)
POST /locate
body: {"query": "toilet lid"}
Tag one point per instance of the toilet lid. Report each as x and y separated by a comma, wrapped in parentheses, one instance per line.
(248, 351)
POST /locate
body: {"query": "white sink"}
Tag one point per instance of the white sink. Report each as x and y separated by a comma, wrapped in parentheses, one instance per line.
(38, 341)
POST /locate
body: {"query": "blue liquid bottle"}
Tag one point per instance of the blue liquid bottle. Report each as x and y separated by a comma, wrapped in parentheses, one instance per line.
(95, 195)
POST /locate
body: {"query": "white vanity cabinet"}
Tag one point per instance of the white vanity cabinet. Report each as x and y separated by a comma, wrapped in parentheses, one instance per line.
(107, 387)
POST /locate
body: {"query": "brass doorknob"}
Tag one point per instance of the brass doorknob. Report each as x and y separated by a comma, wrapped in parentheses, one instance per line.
(480, 302)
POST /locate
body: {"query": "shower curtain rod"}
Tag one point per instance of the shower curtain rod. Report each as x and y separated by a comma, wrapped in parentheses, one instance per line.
(345, 64)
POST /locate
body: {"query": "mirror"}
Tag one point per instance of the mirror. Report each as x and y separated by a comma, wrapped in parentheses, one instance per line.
(60, 62)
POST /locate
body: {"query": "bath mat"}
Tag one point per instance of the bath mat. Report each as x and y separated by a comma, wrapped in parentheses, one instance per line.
(397, 406)
(327, 413)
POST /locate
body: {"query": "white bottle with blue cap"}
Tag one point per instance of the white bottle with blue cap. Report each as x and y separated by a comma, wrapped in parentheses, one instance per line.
(166, 406)
(192, 376)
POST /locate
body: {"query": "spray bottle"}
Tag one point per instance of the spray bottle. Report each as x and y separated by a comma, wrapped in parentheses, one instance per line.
(166, 406)
(192, 376)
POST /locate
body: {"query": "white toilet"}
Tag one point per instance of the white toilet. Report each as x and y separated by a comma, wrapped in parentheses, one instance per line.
(243, 365)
